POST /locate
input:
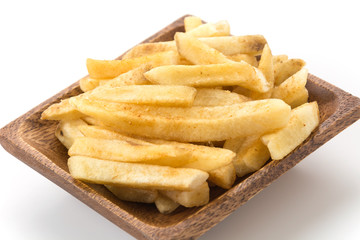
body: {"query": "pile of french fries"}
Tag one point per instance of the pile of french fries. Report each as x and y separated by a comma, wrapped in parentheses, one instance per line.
(170, 118)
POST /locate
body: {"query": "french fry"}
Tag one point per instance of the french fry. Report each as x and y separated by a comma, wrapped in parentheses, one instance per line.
(159, 95)
(292, 90)
(208, 97)
(145, 49)
(133, 194)
(135, 175)
(202, 157)
(87, 83)
(193, 198)
(250, 59)
(193, 124)
(129, 151)
(304, 119)
(191, 22)
(165, 205)
(61, 111)
(211, 75)
(68, 130)
(107, 69)
(284, 70)
(231, 45)
(196, 51)
(224, 176)
(132, 77)
(266, 65)
(233, 144)
(279, 59)
(221, 28)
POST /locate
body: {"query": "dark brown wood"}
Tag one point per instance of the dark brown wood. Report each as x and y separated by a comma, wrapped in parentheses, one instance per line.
(33, 141)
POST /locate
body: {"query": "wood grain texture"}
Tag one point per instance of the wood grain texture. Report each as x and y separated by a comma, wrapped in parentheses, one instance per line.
(33, 141)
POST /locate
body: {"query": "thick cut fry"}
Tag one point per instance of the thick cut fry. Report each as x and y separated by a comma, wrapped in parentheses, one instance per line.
(221, 28)
(61, 111)
(292, 90)
(176, 96)
(133, 194)
(223, 177)
(106, 69)
(132, 77)
(165, 205)
(194, 198)
(266, 65)
(193, 124)
(196, 51)
(250, 59)
(87, 83)
(233, 144)
(135, 175)
(231, 45)
(129, 151)
(202, 157)
(284, 70)
(68, 130)
(251, 156)
(191, 22)
(217, 97)
(145, 49)
(304, 119)
(225, 74)
(279, 59)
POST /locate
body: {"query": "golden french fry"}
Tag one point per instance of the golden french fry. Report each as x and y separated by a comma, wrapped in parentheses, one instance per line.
(266, 65)
(292, 90)
(87, 83)
(132, 77)
(193, 198)
(233, 144)
(135, 175)
(210, 75)
(165, 205)
(279, 59)
(193, 124)
(160, 95)
(217, 97)
(145, 49)
(107, 69)
(68, 130)
(133, 194)
(284, 70)
(202, 157)
(221, 28)
(250, 156)
(304, 119)
(250, 59)
(196, 51)
(191, 22)
(129, 151)
(224, 176)
(61, 111)
(231, 45)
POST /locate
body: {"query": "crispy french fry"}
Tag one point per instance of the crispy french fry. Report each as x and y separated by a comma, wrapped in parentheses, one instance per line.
(221, 28)
(145, 49)
(129, 151)
(165, 205)
(133, 194)
(107, 69)
(132, 77)
(223, 177)
(231, 45)
(233, 144)
(284, 70)
(191, 22)
(68, 130)
(266, 65)
(279, 59)
(211, 75)
(304, 119)
(217, 97)
(194, 198)
(135, 175)
(87, 83)
(61, 111)
(250, 59)
(193, 124)
(292, 90)
(159, 95)
(202, 157)
(196, 51)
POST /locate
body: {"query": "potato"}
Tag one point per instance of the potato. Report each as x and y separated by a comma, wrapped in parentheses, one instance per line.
(191, 22)
(304, 119)
(211, 75)
(193, 124)
(133, 194)
(284, 70)
(135, 175)
(165, 205)
(224, 176)
(68, 130)
(221, 28)
(145, 49)
(61, 111)
(208, 97)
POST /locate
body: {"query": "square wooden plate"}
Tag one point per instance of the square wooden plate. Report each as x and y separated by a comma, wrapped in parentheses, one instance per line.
(33, 141)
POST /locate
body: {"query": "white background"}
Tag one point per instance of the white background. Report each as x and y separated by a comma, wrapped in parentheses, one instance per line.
(43, 48)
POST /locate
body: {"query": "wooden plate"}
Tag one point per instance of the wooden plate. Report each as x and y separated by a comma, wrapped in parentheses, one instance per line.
(33, 141)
